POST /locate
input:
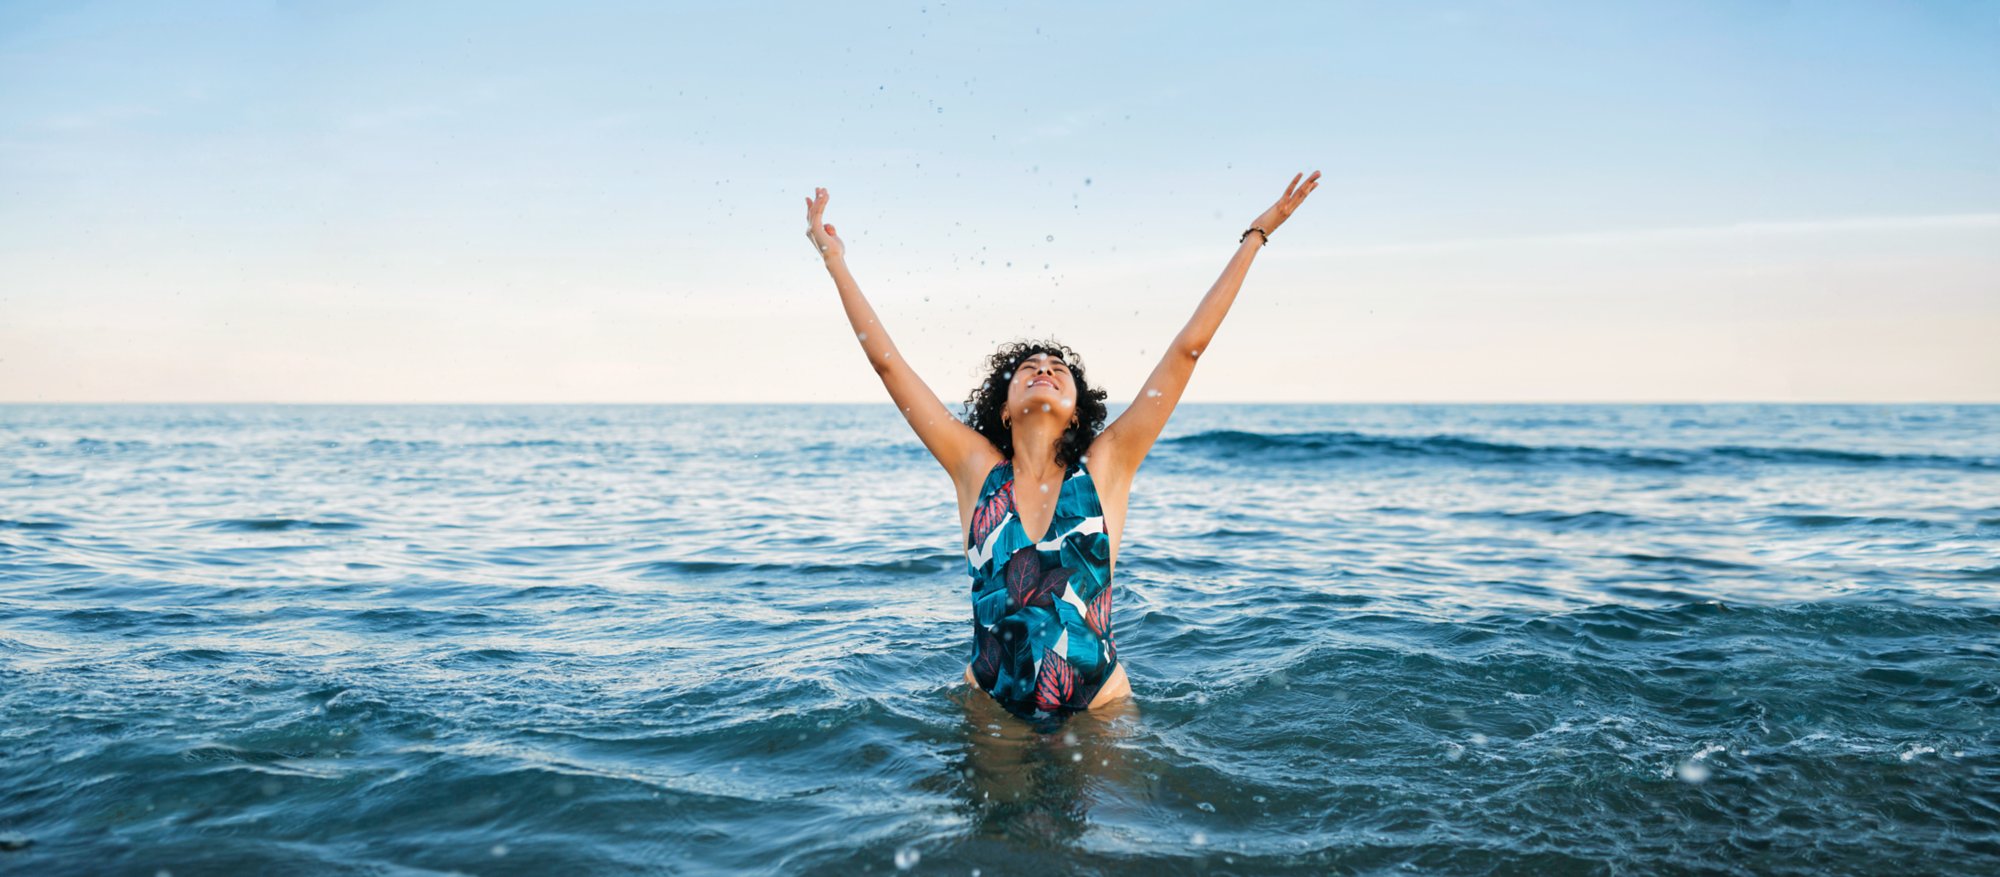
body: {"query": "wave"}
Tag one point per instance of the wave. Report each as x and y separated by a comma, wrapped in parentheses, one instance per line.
(1313, 447)
(1592, 519)
(258, 525)
(10, 524)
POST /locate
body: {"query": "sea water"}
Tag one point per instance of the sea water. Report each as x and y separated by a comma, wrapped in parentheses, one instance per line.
(1457, 639)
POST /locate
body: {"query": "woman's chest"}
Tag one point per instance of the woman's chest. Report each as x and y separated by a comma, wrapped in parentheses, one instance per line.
(1079, 505)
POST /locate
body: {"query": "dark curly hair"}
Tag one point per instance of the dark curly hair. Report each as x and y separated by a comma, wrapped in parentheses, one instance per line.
(982, 407)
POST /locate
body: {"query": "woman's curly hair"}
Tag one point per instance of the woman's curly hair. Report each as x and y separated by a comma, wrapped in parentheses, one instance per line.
(982, 407)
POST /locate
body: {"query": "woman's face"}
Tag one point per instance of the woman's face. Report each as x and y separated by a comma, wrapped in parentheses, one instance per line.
(1041, 385)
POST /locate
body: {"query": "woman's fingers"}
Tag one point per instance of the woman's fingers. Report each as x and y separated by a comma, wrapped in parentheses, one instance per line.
(1312, 182)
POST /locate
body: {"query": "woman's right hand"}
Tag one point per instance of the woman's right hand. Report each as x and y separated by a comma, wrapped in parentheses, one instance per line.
(822, 233)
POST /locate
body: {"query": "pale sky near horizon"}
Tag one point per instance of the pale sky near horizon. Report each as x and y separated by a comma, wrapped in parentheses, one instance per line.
(478, 202)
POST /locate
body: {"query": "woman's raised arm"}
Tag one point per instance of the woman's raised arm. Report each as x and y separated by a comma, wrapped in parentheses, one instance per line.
(1125, 443)
(960, 449)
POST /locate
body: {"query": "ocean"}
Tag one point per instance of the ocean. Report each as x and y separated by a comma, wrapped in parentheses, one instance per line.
(718, 639)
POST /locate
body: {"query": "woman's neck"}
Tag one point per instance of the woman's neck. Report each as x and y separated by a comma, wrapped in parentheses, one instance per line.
(1035, 451)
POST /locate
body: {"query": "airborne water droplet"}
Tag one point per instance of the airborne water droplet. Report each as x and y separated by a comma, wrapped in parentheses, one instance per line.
(1050, 238)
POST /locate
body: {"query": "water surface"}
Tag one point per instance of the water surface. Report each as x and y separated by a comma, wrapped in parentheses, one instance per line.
(1587, 639)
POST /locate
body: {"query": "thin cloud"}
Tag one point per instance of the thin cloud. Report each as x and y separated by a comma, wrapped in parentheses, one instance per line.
(105, 117)
(1645, 235)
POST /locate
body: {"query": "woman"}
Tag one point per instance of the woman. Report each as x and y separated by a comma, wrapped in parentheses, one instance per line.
(1031, 459)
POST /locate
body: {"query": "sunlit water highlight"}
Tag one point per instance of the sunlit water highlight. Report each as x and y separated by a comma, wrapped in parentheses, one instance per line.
(707, 639)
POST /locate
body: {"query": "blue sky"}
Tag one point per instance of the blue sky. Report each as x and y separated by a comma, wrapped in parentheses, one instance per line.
(525, 202)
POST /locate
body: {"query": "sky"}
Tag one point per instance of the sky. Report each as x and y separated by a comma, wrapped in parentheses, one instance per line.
(504, 202)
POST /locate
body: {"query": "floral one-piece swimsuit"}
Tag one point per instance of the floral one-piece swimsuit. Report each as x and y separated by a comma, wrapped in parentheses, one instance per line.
(1041, 611)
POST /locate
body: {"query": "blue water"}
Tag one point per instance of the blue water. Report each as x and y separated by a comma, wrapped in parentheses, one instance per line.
(1593, 639)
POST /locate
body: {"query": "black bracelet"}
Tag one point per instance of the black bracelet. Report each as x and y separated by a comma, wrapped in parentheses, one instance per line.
(1246, 236)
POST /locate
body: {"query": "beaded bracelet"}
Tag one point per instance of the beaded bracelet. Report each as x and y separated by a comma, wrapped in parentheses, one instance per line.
(1246, 236)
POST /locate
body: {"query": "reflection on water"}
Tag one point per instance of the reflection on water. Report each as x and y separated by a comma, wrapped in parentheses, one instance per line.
(1036, 783)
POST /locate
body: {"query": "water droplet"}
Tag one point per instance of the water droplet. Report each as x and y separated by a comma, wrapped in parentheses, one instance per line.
(1045, 406)
(1692, 771)
(1152, 392)
(1206, 807)
(1086, 181)
(1198, 839)
(1478, 739)
(906, 858)
(499, 851)
(1049, 237)
(1076, 756)
(1045, 489)
(862, 336)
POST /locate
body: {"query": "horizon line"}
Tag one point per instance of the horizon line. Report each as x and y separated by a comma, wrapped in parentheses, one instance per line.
(15, 402)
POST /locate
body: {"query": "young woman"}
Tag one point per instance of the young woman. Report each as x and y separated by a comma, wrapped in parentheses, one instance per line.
(1042, 483)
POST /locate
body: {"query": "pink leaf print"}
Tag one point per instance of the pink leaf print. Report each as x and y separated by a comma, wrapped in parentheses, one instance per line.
(991, 513)
(1028, 583)
(1055, 683)
(1097, 612)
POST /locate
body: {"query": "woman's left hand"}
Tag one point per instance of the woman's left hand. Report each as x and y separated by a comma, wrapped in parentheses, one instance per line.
(1295, 194)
